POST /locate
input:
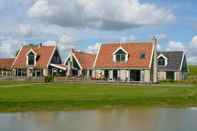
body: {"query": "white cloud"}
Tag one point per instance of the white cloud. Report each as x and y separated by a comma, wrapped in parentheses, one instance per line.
(9, 47)
(176, 46)
(67, 42)
(194, 41)
(190, 48)
(161, 36)
(100, 14)
(93, 48)
(24, 30)
(50, 43)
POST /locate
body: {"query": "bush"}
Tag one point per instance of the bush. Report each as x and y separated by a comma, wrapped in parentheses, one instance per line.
(48, 79)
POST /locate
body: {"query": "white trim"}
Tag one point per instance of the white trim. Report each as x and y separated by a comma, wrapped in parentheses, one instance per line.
(77, 61)
(152, 54)
(50, 58)
(27, 58)
(69, 55)
(97, 56)
(175, 76)
(166, 59)
(16, 57)
(57, 66)
(31, 50)
(120, 48)
(182, 61)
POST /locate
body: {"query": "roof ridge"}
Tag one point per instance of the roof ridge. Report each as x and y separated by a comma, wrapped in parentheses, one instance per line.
(170, 51)
(84, 52)
(128, 42)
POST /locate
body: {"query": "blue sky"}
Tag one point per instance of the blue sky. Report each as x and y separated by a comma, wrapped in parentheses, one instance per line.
(84, 24)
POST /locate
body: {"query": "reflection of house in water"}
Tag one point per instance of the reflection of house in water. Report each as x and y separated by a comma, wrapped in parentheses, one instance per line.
(126, 119)
(39, 119)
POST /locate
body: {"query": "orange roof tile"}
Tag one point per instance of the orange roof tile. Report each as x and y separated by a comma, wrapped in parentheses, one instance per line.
(6, 63)
(134, 49)
(44, 53)
(86, 60)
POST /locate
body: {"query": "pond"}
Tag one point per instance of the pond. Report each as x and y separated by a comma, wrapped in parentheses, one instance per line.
(115, 119)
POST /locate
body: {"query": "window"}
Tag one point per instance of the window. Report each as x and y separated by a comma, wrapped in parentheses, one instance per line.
(142, 56)
(31, 58)
(120, 56)
(21, 72)
(161, 61)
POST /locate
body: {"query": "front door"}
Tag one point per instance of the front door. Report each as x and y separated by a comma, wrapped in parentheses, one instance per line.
(115, 74)
(170, 75)
(106, 74)
(135, 75)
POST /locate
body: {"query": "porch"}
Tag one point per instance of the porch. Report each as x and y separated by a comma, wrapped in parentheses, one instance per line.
(123, 75)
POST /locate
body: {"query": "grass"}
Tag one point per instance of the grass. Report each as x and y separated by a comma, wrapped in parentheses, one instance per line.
(192, 75)
(192, 70)
(26, 96)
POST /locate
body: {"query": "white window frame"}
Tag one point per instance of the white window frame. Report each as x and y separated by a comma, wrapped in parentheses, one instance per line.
(114, 54)
(165, 58)
(27, 58)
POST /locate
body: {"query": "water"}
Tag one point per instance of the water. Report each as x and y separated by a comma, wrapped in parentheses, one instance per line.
(118, 119)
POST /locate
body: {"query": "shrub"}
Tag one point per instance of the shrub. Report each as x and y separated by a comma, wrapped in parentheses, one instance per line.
(48, 79)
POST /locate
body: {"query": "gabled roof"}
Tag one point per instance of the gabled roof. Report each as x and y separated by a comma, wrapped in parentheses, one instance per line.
(44, 56)
(85, 60)
(6, 63)
(135, 49)
(174, 60)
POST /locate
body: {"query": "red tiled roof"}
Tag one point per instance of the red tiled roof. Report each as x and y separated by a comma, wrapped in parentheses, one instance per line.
(6, 63)
(44, 55)
(105, 56)
(86, 60)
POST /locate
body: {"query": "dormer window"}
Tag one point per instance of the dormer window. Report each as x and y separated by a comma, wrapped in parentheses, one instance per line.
(31, 58)
(120, 55)
(162, 60)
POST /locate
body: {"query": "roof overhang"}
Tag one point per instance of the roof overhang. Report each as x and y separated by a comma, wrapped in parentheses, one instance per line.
(58, 66)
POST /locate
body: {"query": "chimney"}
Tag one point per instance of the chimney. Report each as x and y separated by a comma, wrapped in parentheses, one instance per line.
(155, 72)
(39, 45)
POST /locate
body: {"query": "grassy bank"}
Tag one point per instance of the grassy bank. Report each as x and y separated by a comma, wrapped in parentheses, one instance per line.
(20, 96)
(192, 70)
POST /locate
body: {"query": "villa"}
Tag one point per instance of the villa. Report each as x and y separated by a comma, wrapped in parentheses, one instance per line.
(80, 63)
(37, 61)
(6, 67)
(129, 62)
(172, 65)
(118, 61)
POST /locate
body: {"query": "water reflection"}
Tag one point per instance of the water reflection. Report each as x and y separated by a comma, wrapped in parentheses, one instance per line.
(125, 119)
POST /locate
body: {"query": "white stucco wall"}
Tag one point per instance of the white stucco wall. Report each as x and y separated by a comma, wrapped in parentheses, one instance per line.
(147, 76)
(123, 75)
(161, 76)
(93, 74)
(110, 74)
(45, 72)
(179, 76)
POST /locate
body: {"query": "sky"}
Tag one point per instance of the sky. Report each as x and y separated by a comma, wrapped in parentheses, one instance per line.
(85, 24)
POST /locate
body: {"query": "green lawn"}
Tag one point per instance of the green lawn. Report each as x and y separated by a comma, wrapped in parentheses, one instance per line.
(192, 70)
(26, 96)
